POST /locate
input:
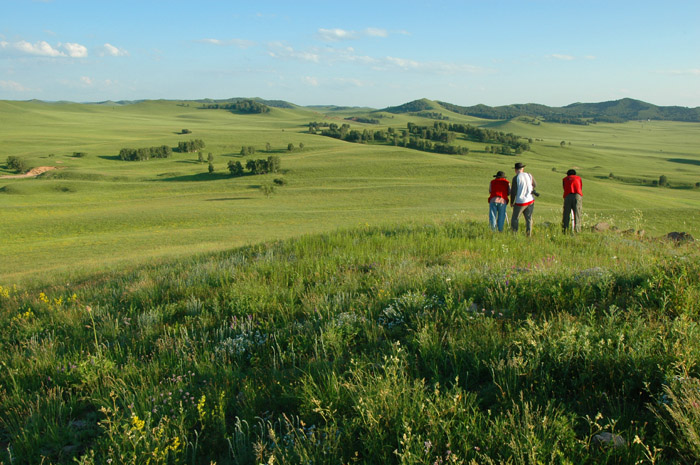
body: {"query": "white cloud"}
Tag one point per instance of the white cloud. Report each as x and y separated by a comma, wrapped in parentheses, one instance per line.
(86, 80)
(374, 32)
(430, 67)
(111, 50)
(44, 49)
(559, 56)
(240, 43)
(280, 50)
(75, 50)
(39, 48)
(336, 34)
(312, 81)
(13, 86)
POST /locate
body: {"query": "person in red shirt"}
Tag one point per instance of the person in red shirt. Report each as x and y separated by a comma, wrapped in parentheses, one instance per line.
(498, 201)
(573, 194)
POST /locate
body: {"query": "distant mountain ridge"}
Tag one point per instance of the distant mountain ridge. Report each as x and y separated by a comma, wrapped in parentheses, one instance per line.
(614, 111)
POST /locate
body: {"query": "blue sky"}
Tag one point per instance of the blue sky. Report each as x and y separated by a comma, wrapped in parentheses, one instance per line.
(359, 53)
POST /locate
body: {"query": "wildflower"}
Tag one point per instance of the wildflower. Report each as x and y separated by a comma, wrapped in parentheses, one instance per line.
(136, 423)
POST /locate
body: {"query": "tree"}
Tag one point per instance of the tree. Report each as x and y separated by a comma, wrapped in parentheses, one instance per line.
(290, 146)
(235, 168)
(210, 158)
(663, 180)
(268, 147)
(301, 146)
(273, 163)
(16, 163)
(562, 144)
(211, 167)
(200, 157)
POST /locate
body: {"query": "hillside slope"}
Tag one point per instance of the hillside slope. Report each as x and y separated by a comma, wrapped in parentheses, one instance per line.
(419, 343)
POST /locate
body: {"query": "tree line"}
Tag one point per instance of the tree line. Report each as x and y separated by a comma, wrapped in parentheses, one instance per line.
(241, 106)
(438, 138)
(189, 146)
(145, 153)
(259, 166)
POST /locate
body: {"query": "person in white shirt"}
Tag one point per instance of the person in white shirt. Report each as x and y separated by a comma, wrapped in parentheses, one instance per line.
(522, 198)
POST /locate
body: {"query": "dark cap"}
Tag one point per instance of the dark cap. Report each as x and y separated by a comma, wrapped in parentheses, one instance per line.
(570, 172)
(519, 165)
(500, 174)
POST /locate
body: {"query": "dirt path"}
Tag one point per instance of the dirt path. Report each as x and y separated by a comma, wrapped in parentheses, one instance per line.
(34, 172)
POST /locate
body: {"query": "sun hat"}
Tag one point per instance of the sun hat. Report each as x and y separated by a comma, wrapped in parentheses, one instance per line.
(519, 165)
(570, 172)
(500, 174)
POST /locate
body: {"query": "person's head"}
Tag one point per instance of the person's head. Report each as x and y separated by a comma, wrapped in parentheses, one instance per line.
(571, 172)
(519, 167)
(500, 174)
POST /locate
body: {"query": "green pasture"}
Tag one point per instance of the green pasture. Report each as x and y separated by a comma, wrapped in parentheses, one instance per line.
(422, 343)
(98, 213)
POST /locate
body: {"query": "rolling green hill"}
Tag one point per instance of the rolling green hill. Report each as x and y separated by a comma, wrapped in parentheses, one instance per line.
(582, 113)
(352, 307)
(98, 213)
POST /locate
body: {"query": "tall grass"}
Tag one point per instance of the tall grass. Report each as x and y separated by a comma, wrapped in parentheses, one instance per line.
(420, 343)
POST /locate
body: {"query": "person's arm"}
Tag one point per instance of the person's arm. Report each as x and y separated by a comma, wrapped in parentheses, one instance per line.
(513, 190)
(534, 183)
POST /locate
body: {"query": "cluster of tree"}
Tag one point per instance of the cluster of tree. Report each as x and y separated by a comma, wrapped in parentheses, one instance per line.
(435, 147)
(438, 133)
(259, 166)
(503, 150)
(79, 154)
(315, 126)
(475, 134)
(241, 106)
(414, 137)
(249, 150)
(361, 119)
(162, 151)
(16, 164)
(432, 115)
(185, 131)
(190, 146)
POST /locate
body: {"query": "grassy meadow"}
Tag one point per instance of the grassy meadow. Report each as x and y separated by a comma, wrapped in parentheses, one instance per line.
(99, 213)
(153, 312)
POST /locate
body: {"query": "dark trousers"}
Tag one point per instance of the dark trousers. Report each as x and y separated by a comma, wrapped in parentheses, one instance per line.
(527, 213)
(572, 204)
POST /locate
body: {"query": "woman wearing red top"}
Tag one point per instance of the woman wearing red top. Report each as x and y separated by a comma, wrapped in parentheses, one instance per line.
(498, 201)
(573, 194)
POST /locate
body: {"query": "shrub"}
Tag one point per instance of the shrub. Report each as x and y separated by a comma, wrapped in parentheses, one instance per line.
(211, 167)
(79, 154)
(16, 163)
(663, 180)
(280, 181)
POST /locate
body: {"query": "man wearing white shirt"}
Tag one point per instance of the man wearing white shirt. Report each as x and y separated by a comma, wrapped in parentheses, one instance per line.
(522, 198)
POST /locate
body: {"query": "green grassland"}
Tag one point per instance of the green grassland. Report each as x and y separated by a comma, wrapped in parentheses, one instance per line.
(412, 344)
(152, 312)
(98, 212)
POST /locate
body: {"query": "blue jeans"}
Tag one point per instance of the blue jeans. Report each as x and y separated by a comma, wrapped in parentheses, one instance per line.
(497, 215)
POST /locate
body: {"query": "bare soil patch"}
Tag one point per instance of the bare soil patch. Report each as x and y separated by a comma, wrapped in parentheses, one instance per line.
(32, 173)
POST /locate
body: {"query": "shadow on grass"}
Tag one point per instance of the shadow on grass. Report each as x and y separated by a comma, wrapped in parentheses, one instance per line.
(197, 177)
(109, 157)
(684, 161)
(228, 199)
